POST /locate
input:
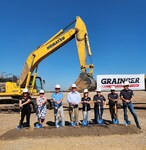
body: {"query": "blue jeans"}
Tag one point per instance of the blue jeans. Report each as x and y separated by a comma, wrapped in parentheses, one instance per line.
(86, 115)
(131, 109)
(98, 114)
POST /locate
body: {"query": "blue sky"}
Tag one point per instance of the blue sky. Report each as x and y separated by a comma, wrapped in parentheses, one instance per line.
(116, 28)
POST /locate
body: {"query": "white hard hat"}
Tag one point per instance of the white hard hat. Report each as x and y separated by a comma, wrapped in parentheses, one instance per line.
(126, 83)
(112, 87)
(25, 90)
(73, 86)
(57, 86)
(98, 90)
(85, 90)
(42, 91)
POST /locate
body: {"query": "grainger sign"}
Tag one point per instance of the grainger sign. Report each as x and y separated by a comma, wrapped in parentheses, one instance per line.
(137, 81)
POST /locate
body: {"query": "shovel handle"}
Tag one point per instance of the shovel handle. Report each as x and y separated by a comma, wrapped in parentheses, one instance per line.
(86, 107)
(39, 113)
(20, 115)
(99, 107)
(115, 108)
(86, 110)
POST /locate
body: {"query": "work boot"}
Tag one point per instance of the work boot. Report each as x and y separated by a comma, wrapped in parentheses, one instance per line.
(127, 122)
(71, 124)
(57, 125)
(138, 126)
(19, 127)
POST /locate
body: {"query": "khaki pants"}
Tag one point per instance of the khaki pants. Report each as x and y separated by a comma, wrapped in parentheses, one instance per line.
(59, 115)
(74, 113)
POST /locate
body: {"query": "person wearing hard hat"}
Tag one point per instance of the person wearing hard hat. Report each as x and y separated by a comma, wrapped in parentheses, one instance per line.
(86, 100)
(58, 107)
(113, 101)
(41, 108)
(127, 96)
(74, 100)
(99, 102)
(25, 108)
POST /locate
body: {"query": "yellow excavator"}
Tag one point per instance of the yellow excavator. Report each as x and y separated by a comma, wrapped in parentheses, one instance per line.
(29, 79)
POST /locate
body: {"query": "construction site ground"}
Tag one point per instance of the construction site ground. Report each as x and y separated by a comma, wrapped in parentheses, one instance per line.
(108, 136)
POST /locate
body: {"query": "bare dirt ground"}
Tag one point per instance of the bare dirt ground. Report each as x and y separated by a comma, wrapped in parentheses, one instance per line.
(93, 137)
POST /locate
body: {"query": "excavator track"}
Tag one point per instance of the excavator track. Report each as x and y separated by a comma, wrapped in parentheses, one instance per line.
(11, 105)
(8, 105)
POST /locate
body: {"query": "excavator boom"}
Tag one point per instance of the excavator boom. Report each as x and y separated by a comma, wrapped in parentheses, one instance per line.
(79, 32)
(29, 79)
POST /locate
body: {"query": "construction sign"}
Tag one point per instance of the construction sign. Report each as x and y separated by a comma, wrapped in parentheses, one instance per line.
(136, 81)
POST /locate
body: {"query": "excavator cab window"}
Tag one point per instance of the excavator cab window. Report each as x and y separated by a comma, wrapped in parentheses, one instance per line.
(38, 84)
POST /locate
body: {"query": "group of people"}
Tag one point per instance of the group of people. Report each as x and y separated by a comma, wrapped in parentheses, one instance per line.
(74, 99)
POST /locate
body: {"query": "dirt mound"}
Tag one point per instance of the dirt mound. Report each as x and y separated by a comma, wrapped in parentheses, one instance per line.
(48, 132)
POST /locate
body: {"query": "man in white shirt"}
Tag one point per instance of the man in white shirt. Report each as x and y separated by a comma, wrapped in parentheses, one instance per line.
(74, 100)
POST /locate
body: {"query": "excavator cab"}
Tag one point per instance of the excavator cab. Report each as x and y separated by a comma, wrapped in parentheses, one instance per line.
(39, 84)
(35, 85)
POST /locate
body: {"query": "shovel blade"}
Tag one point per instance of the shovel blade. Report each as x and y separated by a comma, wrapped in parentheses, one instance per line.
(60, 123)
(73, 124)
(100, 121)
(115, 121)
(38, 126)
(84, 123)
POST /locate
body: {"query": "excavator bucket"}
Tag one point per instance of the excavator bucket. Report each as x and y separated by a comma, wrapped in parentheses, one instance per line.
(85, 81)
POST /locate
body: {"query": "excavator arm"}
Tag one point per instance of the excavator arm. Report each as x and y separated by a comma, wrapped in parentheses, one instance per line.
(79, 32)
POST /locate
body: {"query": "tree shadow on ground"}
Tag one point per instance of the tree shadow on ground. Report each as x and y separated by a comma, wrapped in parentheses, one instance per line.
(106, 122)
(141, 106)
(50, 123)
